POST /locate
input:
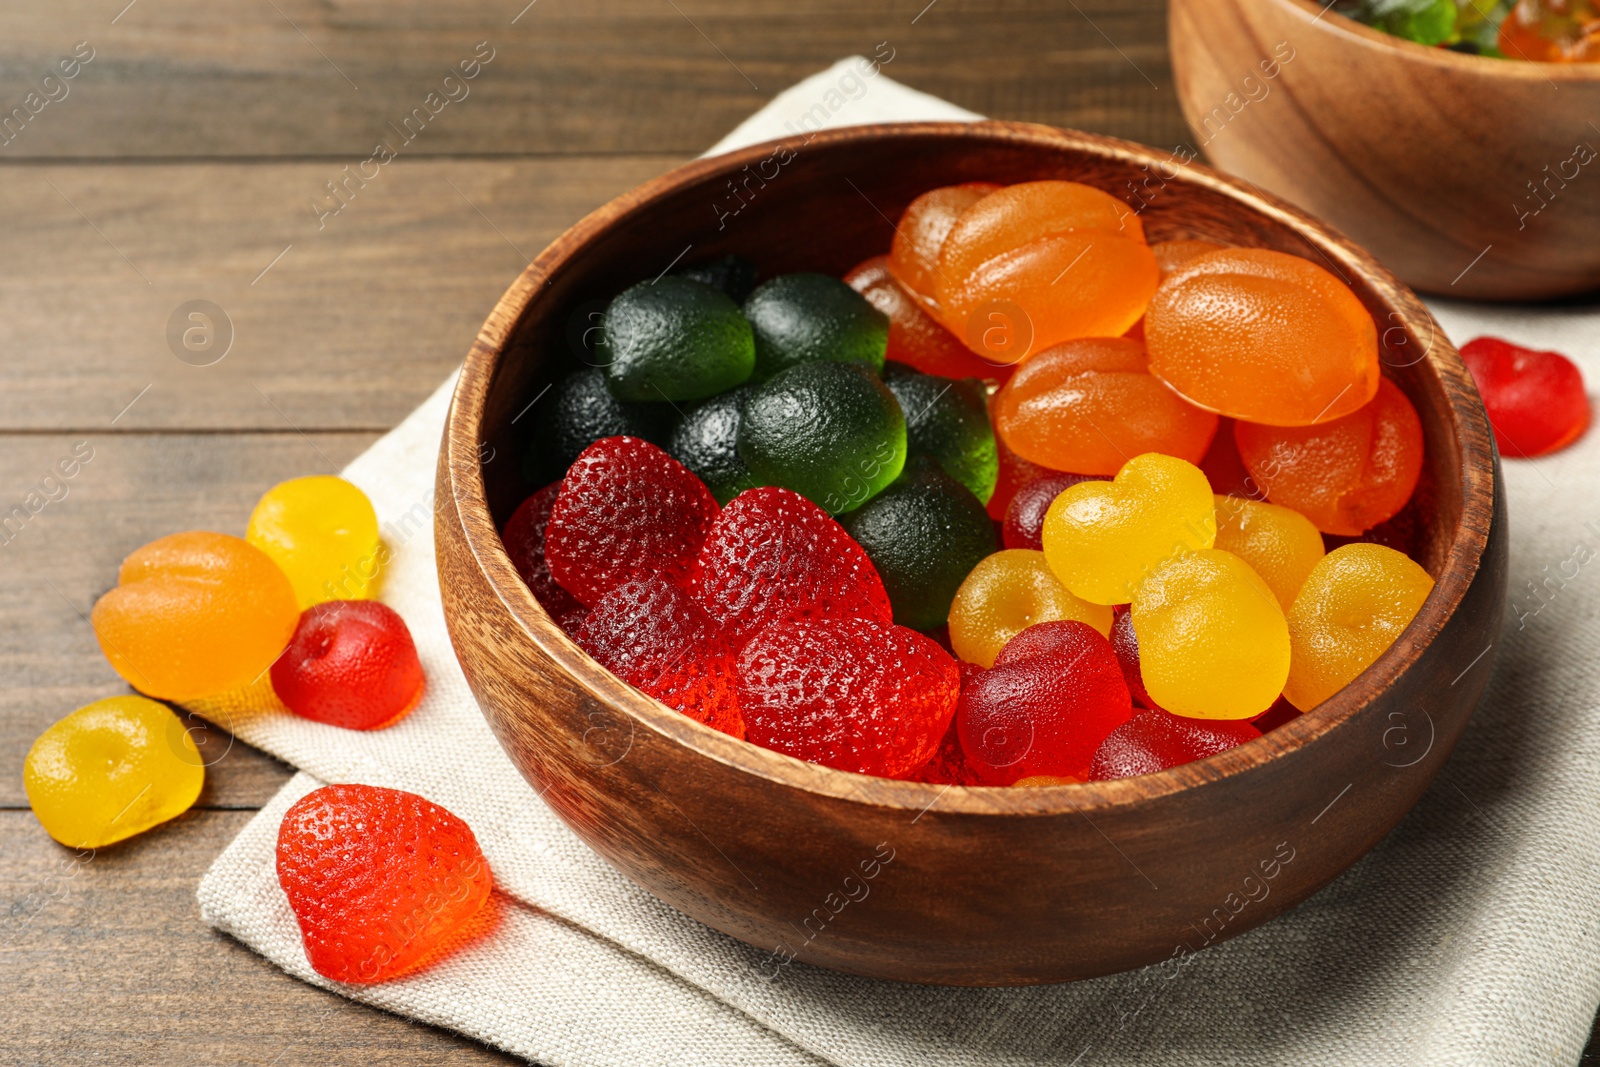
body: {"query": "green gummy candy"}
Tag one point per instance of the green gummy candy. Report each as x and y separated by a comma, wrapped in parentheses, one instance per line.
(576, 412)
(804, 318)
(706, 441)
(948, 419)
(674, 339)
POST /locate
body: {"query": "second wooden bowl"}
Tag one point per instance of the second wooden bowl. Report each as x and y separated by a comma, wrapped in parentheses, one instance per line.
(928, 883)
(1466, 176)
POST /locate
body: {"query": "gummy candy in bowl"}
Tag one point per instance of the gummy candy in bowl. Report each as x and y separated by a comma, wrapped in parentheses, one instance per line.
(934, 883)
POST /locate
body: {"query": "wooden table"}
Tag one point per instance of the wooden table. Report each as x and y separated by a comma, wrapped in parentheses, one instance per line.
(190, 158)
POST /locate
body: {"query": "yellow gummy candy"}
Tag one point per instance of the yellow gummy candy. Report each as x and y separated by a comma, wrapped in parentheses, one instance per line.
(110, 770)
(1103, 538)
(324, 534)
(1005, 594)
(1280, 544)
(1213, 643)
(1352, 607)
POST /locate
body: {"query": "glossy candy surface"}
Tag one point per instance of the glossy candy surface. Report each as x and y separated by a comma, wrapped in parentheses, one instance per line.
(852, 694)
(706, 440)
(1154, 740)
(195, 614)
(323, 533)
(802, 318)
(1213, 643)
(524, 541)
(1006, 594)
(1044, 709)
(1535, 400)
(579, 410)
(674, 338)
(916, 338)
(914, 252)
(1103, 538)
(110, 770)
(949, 421)
(382, 882)
(1353, 606)
(626, 510)
(1280, 545)
(1346, 474)
(1024, 521)
(351, 663)
(1090, 405)
(1263, 336)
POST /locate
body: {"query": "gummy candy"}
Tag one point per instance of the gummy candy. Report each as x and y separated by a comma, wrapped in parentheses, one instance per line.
(1091, 405)
(1264, 336)
(914, 253)
(1024, 522)
(1280, 545)
(652, 635)
(733, 276)
(578, 411)
(1070, 258)
(1551, 31)
(706, 440)
(1281, 712)
(1044, 712)
(110, 770)
(948, 420)
(852, 694)
(1015, 472)
(1353, 606)
(1535, 400)
(195, 614)
(773, 554)
(626, 509)
(323, 533)
(832, 432)
(674, 339)
(1213, 643)
(1125, 643)
(923, 534)
(800, 318)
(1102, 538)
(948, 765)
(916, 338)
(1346, 474)
(351, 663)
(1154, 740)
(382, 882)
(1003, 596)
(1170, 255)
(524, 541)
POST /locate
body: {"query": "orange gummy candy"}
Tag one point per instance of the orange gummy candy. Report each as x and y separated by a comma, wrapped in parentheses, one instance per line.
(1262, 336)
(1091, 405)
(1346, 475)
(914, 253)
(195, 614)
(915, 337)
(1170, 255)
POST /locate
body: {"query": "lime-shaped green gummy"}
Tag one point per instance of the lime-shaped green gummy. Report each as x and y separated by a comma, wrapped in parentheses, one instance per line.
(674, 339)
(948, 419)
(577, 411)
(706, 440)
(924, 534)
(832, 432)
(802, 318)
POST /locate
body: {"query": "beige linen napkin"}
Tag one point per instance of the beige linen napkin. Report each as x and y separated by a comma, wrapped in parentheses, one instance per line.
(1467, 937)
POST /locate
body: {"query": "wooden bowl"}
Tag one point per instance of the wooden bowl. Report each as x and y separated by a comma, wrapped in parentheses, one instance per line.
(1464, 175)
(928, 883)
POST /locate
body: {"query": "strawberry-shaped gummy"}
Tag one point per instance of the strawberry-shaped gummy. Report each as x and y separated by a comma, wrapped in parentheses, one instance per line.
(1154, 740)
(852, 694)
(626, 510)
(651, 634)
(949, 765)
(351, 663)
(524, 540)
(1024, 521)
(1535, 400)
(1045, 706)
(773, 554)
(381, 881)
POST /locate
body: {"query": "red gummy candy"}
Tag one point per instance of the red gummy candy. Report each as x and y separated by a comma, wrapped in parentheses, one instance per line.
(1281, 712)
(948, 765)
(1125, 643)
(524, 541)
(1154, 740)
(1045, 706)
(916, 338)
(652, 635)
(350, 663)
(382, 881)
(853, 694)
(773, 554)
(1015, 472)
(626, 510)
(1535, 400)
(1025, 514)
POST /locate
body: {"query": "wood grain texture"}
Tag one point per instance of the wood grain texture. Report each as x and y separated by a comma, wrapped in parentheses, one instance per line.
(1467, 176)
(104, 958)
(1097, 878)
(210, 78)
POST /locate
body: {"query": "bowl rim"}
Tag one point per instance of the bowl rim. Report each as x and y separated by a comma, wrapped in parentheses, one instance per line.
(1444, 58)
(462, 492)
